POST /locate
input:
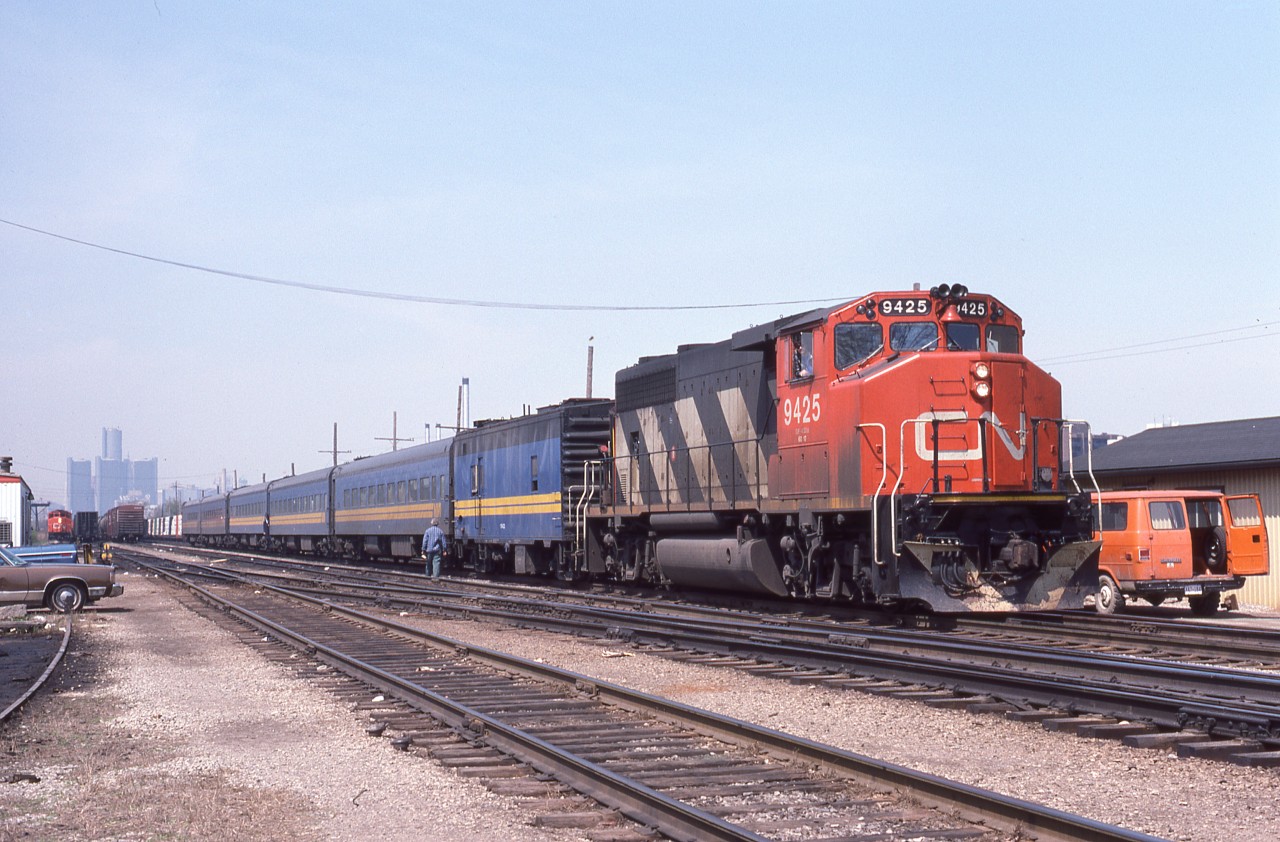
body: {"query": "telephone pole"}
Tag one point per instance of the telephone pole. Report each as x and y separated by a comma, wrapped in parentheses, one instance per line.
(395, 440)
(335, 450)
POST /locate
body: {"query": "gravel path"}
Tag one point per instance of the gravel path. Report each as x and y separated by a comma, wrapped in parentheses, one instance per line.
(190, 734)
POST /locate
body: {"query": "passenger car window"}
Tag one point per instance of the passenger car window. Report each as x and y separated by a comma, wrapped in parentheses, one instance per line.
(1002, 339)
(857, 342)
(913, 336)
(1166, 514)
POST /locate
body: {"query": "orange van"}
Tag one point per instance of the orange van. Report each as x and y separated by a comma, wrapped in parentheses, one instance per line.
(1162, 544)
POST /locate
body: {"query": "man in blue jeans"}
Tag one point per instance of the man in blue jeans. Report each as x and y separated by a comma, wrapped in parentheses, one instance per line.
(433, 545)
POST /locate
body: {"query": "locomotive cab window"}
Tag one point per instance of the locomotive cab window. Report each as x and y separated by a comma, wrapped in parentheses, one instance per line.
(963, 336)
(802, 355)
(913, 336)
(1002, 339)
(856, 343)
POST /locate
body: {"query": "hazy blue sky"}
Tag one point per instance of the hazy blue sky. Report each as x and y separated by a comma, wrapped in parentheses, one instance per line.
(1110, 170)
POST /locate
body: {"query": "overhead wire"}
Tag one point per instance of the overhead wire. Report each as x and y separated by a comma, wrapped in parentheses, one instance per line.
(416, 299)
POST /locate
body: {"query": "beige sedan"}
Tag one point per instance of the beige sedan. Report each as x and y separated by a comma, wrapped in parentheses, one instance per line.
(57, 586)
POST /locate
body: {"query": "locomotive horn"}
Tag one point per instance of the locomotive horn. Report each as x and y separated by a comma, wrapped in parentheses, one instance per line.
(959, 291)
(941, 291)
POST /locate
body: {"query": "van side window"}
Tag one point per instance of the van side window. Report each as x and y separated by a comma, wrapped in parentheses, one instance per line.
(1204, 514)
(1166, 514)
(1115, 517)
(1244, 511)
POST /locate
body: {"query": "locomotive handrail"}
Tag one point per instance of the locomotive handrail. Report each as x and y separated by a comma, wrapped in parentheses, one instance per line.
(1071, 462)
(875, 498)
(669, 483)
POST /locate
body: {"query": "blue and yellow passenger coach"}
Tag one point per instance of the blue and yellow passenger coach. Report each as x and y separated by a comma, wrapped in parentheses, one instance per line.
(519, 486)
(298, 512)
(383, 503)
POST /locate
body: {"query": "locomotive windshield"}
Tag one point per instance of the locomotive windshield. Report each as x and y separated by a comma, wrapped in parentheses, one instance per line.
(963, 336)
(913, 336)
(1002, 339)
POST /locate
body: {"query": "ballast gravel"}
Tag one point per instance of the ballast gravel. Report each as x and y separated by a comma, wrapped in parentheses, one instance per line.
(193, 704)
(1146, 790)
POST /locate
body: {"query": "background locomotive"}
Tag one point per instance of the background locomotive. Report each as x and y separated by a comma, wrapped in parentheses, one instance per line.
(898, 450)
(61, 526)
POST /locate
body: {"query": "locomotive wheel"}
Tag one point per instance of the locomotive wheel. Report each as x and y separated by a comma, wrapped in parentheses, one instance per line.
(66, 598)
(1215, 550)
(1205, 605)
(1108, 600)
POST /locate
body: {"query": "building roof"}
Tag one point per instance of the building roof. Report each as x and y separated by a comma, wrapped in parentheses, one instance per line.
(1252, 442)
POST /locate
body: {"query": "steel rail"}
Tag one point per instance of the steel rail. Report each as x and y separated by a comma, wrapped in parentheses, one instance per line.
(974, 803)
(1215, 700)
(1173, 636)
(44, 676)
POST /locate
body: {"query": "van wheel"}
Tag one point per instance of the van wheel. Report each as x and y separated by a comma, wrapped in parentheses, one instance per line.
(1108, 600)
(1215, 550)
(66, 598)
(1206, 605)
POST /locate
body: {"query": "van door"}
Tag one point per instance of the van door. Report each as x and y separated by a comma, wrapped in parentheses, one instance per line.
(1247, 552)
(1170, 540)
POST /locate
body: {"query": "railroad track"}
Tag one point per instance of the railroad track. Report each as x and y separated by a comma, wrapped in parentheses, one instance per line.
(43, 658)
(1199, 710)
(1135, 635)
(686, 772)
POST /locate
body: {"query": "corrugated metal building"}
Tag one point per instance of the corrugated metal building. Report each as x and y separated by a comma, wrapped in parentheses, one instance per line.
(1235, 457)
(15, 510)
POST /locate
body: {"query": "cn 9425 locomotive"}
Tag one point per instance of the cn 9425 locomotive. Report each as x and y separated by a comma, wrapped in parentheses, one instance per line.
(896, 450)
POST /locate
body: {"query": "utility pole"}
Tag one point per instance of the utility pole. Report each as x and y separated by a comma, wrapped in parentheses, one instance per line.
(466, 384)
(335, 450)
(395, 440)
(591, 352)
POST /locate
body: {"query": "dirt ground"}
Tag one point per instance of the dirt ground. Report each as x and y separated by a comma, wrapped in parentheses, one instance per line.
(162, 726)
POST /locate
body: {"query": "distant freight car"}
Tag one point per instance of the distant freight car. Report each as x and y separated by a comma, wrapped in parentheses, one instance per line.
(61, 526)
(85, 529)
(123, 523)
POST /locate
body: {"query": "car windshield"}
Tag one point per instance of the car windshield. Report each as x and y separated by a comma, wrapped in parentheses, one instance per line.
(8, 558)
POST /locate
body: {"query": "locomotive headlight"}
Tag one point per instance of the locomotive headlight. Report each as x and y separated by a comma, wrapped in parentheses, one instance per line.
(982, 371)
(982, 389)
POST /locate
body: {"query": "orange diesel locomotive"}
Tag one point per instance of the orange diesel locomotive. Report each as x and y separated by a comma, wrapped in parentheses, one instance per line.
(60, 525)
(895, 450)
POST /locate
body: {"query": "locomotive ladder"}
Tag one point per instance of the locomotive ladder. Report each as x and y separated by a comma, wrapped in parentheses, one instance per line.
(583, 473)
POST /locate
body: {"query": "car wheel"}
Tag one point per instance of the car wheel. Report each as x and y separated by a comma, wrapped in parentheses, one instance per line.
(1206, 605)
(1109, 600)
(66, 598)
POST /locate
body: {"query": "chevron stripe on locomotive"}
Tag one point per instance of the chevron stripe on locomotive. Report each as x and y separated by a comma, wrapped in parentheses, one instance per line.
(897, 450)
